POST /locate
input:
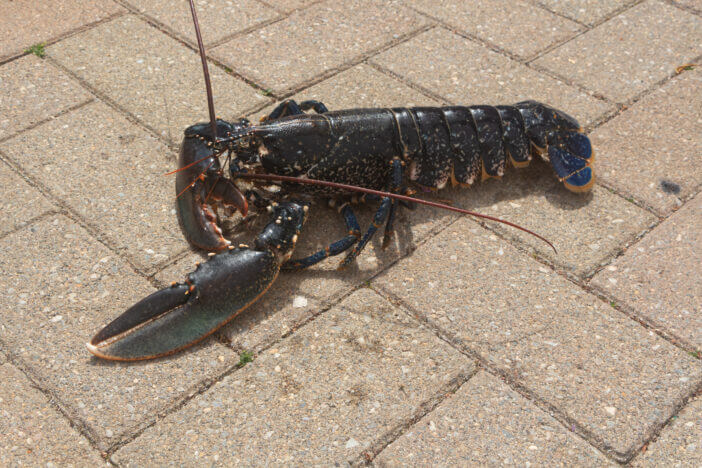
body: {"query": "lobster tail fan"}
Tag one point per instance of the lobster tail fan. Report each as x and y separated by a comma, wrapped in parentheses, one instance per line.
(571, 156)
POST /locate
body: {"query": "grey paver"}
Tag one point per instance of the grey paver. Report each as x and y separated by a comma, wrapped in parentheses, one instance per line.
(111, 172)
(466, 73)
(587, 11)
(618, 380)
(488, 424)
(60, 286)
(20, 201)
(694, 4)
(34, 433)
(326, 394)
(651, 151)
(218, 19)
(32, 22)
(680, 443)
(587, 229)
(631, 52)
(316, 40)
(152, 76)
(659, 277)
(32, 90)
(517, 26)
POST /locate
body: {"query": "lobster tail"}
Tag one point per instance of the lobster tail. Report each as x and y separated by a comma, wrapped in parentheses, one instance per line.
(559, 135)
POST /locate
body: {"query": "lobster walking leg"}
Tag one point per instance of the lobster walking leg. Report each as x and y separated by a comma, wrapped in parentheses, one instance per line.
(340, 246)
(291, 107)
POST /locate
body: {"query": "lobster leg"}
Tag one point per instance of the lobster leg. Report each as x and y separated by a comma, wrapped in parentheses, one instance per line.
(386, 208)
(335, 248)
(291, 107)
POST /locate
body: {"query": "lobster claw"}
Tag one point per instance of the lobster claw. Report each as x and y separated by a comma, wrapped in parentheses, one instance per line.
(177, 317)
(200, 184)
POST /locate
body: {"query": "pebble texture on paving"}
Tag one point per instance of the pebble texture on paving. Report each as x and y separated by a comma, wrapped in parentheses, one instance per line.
(656, 277)
(32, 22)
(595, 365)
(21, 201)
(281, 56)
(488, 424)
(111, 172)
(652, 151)
(504, 23)
(631, 52)
(215, 17)
(33, 432)
(466, 73)
(150, 75)
(60, 287)
(326, 394)
(680, 443)
(375, 364)
(31, 91)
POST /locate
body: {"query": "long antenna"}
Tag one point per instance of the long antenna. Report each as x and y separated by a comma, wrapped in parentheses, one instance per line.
(353, 188)
(208, 85)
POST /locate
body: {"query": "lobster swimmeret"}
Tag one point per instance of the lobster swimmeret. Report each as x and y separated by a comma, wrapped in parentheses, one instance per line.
(381, 149)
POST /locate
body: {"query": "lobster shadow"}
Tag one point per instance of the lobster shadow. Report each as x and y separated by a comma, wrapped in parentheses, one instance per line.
(296, 296)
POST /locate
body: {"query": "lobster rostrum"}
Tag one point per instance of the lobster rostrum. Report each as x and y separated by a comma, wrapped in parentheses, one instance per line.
(375, 151)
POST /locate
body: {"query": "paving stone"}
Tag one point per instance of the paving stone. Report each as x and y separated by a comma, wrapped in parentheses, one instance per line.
(31, 90)
(586, 11)
(651, 151)
(359, 87)
(290, 5)
(516, 26)
(631, 52)
(60, 286)
(34, 433)
(488, 424)
(680, 443)
(316, 40)
(152, 76)
(467, 73)
(694, 4)
(618, 380)
(658, 278)
(110, 172)
(295, 296)
(587, 229)
(378, 365)
(32, 22)
(218, 18)
(21, 201)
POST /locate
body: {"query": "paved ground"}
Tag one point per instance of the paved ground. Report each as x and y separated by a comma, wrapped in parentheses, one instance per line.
(461, 344)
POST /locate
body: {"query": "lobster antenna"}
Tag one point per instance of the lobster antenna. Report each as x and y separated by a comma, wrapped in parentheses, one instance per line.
(208, 85)
(353, 188)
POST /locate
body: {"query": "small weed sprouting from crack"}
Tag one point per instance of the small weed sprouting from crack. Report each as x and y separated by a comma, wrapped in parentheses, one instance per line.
(37, 49)
(244, 358)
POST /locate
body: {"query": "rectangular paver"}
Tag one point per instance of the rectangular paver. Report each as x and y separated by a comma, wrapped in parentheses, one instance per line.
(659, 277)
(21, 201)
(316, 40)
(486, 423)
(616, 379)
(631, 52)
(517, 26)
(33, 432)
(680, 443)
(324, 395)
(32, 90)
(27, 22)
(586, 11)
(652, 150)
(218, 19)
(152, 76)
(60, 286)
(110, 172)
(465, 73)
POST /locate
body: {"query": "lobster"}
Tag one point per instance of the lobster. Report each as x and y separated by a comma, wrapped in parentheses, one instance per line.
(331, 154)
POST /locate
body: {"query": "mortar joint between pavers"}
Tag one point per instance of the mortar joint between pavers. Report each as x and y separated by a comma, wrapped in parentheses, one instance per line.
(570, 424)
(420, 89)
(73, 32)
(687, 8)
